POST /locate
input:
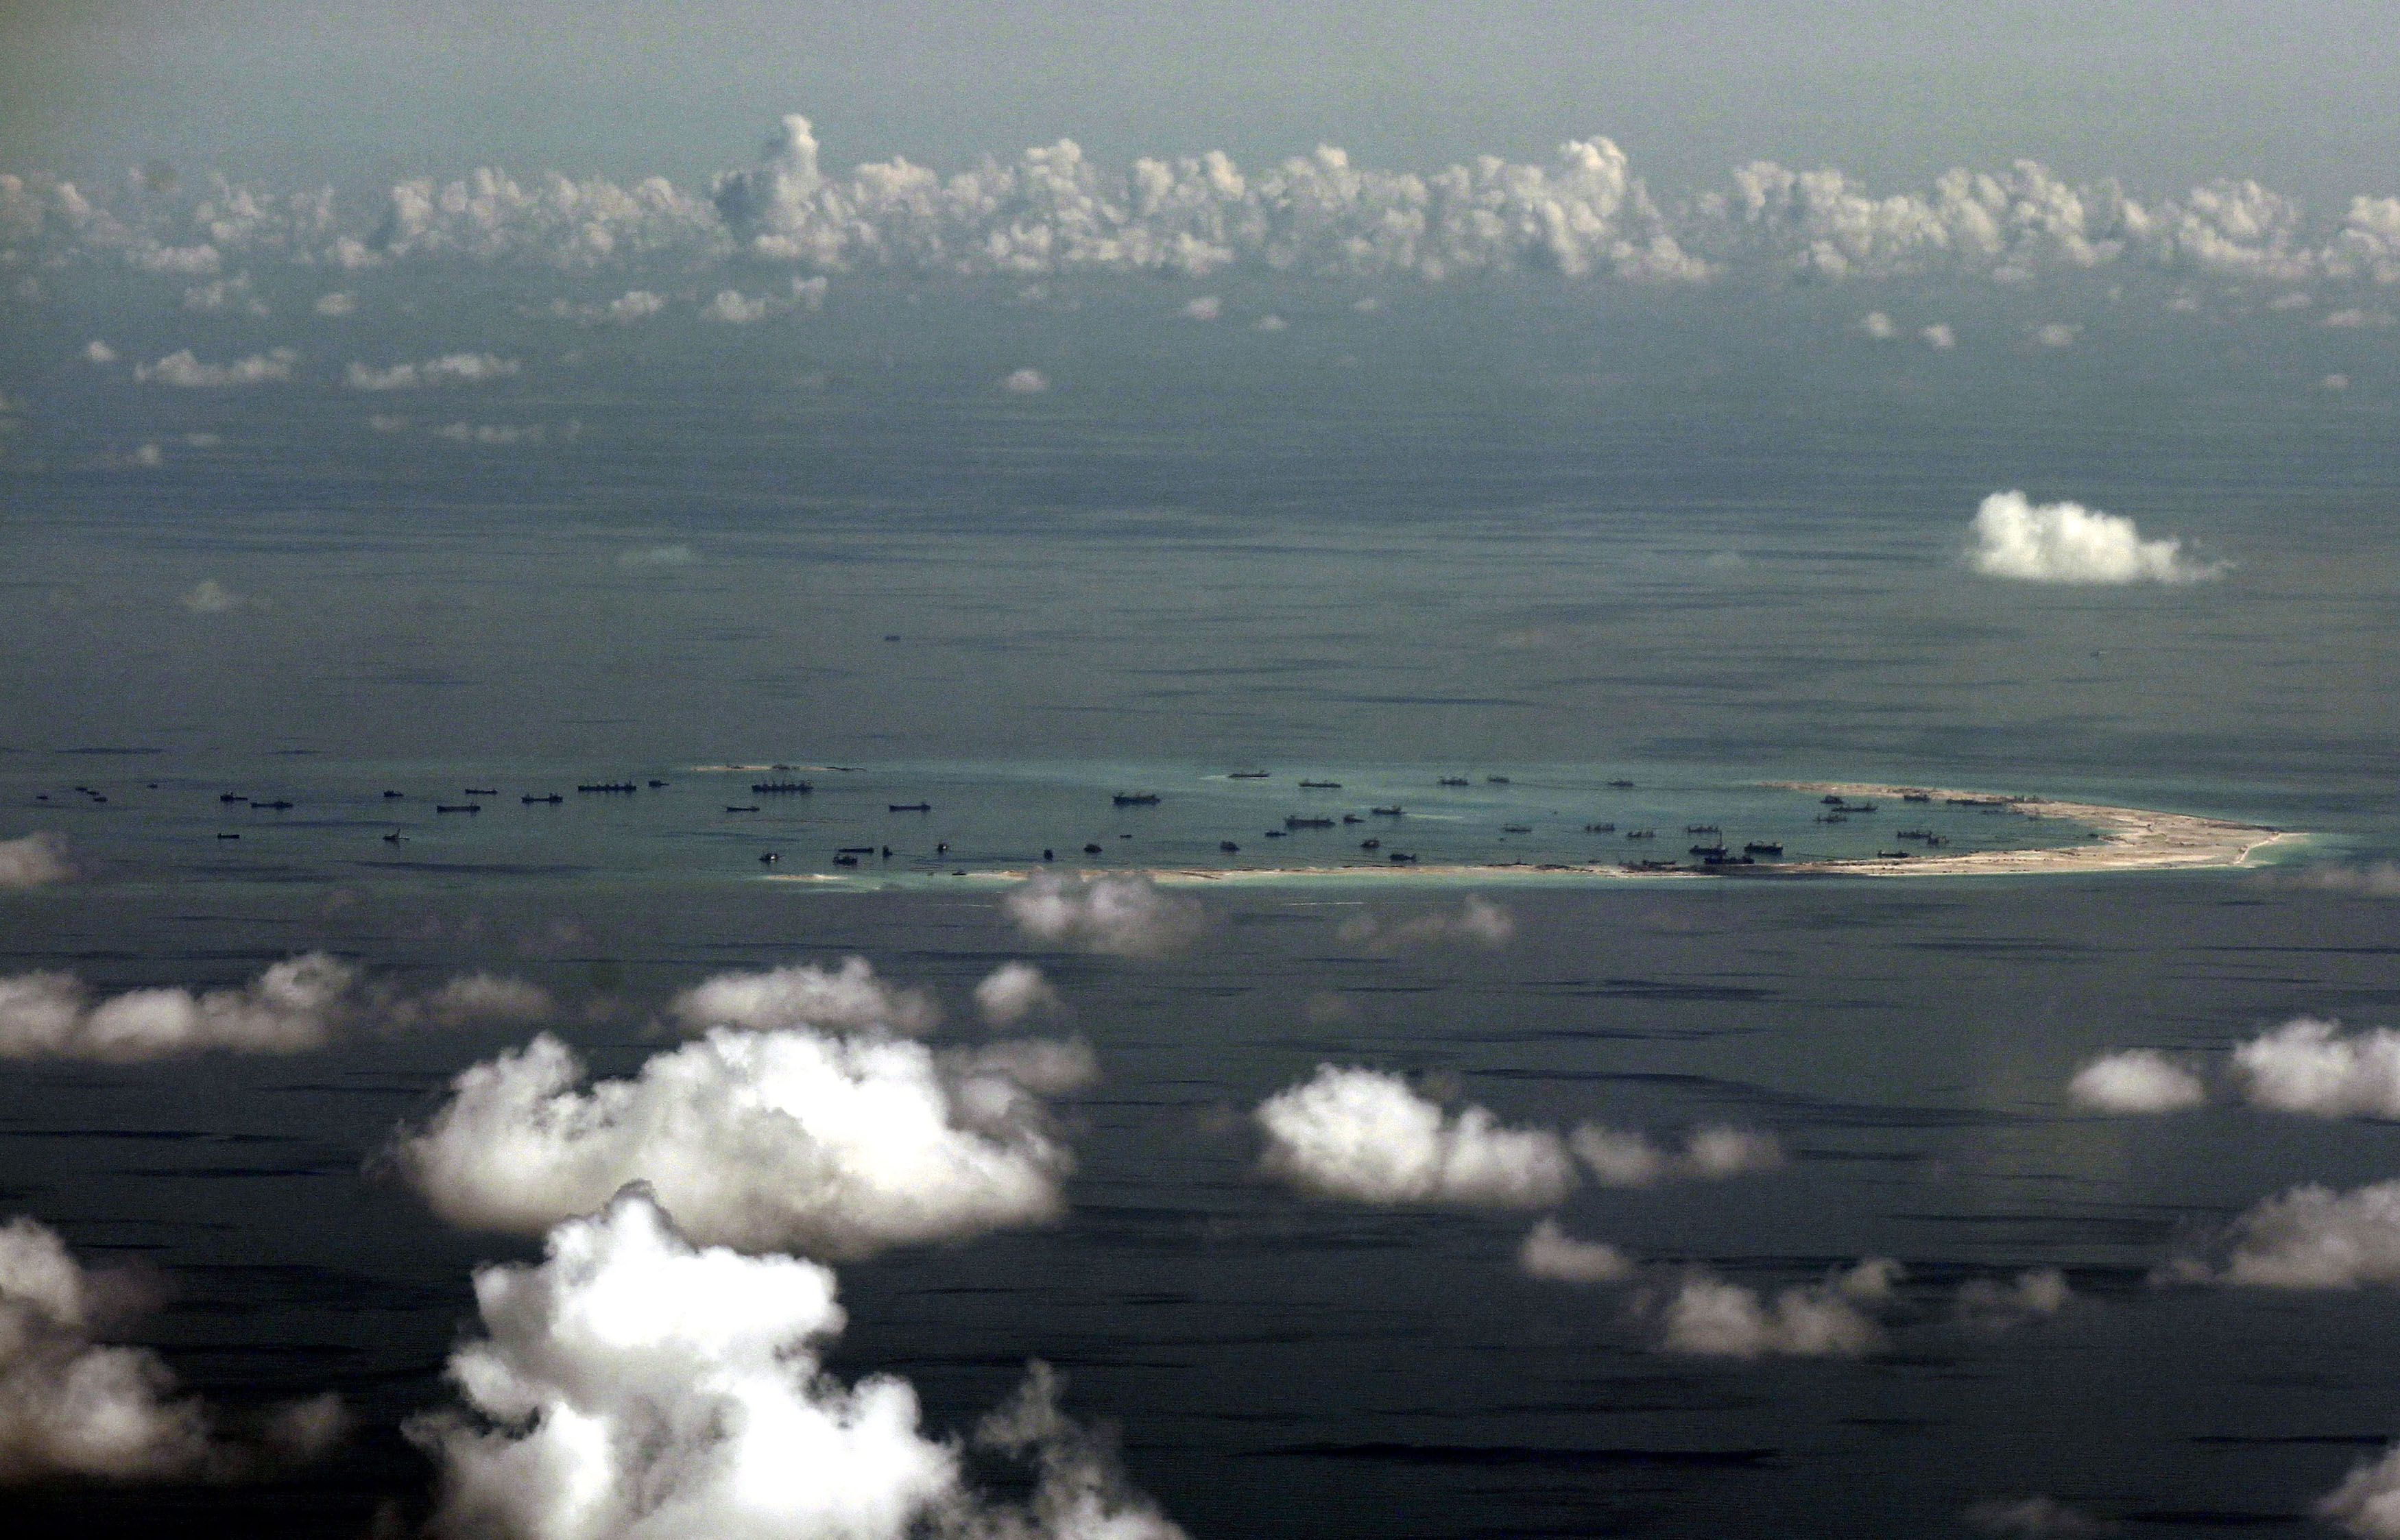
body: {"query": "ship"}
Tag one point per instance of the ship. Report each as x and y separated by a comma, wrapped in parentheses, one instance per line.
(457, 807)
(1294, 820)
(908, 807)
(608, 785)
(781, 788)
(1320, 786)
(1138, 799)
(554, 797)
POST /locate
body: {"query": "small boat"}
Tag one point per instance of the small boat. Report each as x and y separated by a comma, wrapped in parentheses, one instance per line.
(1453, 781)
(457, 807)
(1352, 818)
(1831, 799)
(1246, 775)
(1091, 850)
(1893, 855)
(1763, 847)
(1700, 828)
(1917, 796)
(277, 806)
(608, 786)
(1371, 844)
(1709, 849)
(781, 788)
(388, 795)
(1622, 786)
(1720, 858)
(845, 861)
(1272, 834)
(229, 837)
(742, 807)
(1856, 806)
(1599, 828)
(554, 797)
(857, 849)
(1402, 855)
(1294, 820)
(656, 785)
(478, 791)
(1653, 865)
(1395, 810)
(1642, 834)
(770, 855)
(1496, 781)
(1320, 786)
(236, 797)
(96, 797)
(1227, 846)
(1516, 828)
(1138, 798)
(1935, 840)
(392, 839)
(908, 807)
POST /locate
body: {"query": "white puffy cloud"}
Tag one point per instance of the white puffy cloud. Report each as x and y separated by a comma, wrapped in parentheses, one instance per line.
(1939, 336)
(293, 1006)
(658, 555)
(1550, 1253)
(2033, 1518)
(2138, 1080)
(763, 1139)
(1706, 1315)
(73, 1407)
(1010, 993)
(176, 260)
(450, 369)
(2065, 542)
(1878, 326)
(2057, 334)
(493, 432)
(1711, 1153)
(341, 302)
(2355, 317)
(1126, 915)
(1204, 308)
(210, 597)
(849, 999)
(2310, 1237)
(2034, 1295)
(224, 293)
(34, 861)
(182, 368)
(2368, 1502)
(1269, 323)
(2306, 1066)
(1477, 922)
(2336, 381)
(97, 351)
(1026, 382)
(632, 1384)
(731, 308)
(633, 304)
(1365, 1135)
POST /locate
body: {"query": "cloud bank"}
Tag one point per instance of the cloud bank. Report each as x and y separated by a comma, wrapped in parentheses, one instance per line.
(450, 369)
(2065, 542)
(635, 1384)
(1707, 1316)
(762, 1139)
(70, 1405)
(849, 999)
(2306, 1066)
(1124, 915)
(2308, 1238)
(298, 1004)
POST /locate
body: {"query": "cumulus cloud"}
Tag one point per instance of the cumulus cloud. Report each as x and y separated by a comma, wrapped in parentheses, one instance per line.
(97, 351)
(2356, 318)
(1550, 1253)
(2033, 1518)
(224, 293)
(1204, 308)
(1878, 326)
(73, 1407)
(633, 304)
(1010, 993)
(1707, 1316)
(1939, 336)
(635, 1383)
(848, 999)
(764, 1139)
(2138, 1080)
(2034, 1295)
(183, 368)
(2368, 1502)
(341, 302)
(2308, 1238)
(1026, 382)
(1124, 915)
(1269, 323)
(2334, 382)
(731, 308)
(1711, 1153)
(2057, 334)
(293, 1006)
(658, 555)
(1365, 1135)
(210, 597)
(1477, 922)
(2306, 1066)
(34, 861)
(2065, 542)
(450, 369)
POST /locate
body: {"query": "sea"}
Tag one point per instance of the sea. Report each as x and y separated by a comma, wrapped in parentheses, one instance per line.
(1540, 539)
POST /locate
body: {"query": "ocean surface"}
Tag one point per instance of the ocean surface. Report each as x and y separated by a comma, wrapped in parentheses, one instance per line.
(1561, 546)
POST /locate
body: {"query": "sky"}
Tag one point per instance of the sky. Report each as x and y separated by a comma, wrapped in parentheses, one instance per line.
(2163, 95)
